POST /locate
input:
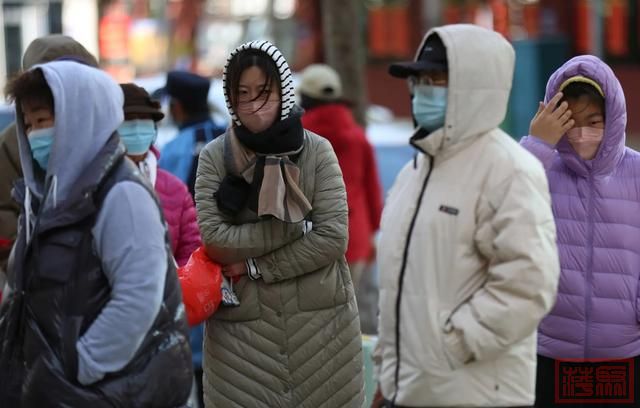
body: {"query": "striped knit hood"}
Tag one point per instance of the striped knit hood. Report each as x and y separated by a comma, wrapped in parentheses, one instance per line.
(286, 79)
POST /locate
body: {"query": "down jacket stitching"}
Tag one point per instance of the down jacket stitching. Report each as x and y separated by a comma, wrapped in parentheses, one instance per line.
(347, 362)
(258, 351)
(230, 385)
(240, 372)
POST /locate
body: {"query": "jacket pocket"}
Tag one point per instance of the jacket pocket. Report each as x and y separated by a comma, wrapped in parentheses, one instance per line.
(58, 256)
(249, 309)
(46, 385)
(455, 350)
(326, 288)
(164, 362)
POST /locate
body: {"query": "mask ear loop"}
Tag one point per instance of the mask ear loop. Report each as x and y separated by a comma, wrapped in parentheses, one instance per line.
(155, 127)
(411, 85)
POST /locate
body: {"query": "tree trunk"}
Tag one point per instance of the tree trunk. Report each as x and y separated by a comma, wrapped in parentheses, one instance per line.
(344, 50)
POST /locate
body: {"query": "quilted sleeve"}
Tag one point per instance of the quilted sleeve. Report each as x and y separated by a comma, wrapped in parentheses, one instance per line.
(516, 233)
(226, 242)
(189, 239)
(539, 148)
(327, 241)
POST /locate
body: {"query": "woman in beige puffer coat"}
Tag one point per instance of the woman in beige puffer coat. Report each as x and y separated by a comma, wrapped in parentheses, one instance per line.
(272, 209)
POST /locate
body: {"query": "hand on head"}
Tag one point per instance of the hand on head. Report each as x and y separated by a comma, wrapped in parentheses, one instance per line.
(552, 121)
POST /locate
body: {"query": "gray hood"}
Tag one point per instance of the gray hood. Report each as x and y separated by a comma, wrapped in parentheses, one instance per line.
(88, 107)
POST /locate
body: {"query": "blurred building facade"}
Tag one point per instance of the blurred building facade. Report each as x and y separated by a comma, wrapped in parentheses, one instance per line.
(145, 37)
(544, 33)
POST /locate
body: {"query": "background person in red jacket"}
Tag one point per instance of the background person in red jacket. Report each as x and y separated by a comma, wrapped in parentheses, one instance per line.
(328, 115)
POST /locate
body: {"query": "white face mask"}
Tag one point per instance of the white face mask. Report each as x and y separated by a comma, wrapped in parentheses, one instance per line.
(258, 116)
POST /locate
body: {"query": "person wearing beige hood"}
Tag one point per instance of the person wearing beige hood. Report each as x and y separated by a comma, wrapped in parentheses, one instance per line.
(467, 255)
(40, 51)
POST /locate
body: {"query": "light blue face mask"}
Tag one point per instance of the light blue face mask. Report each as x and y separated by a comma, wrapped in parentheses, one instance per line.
(138, 135)
(429, 106)
(40, 141)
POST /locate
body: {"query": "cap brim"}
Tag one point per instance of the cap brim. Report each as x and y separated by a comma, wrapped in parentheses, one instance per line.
(155, 113)
(407, 69)
(159, 93)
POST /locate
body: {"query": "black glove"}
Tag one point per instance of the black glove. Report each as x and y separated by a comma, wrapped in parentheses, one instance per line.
(232, 195)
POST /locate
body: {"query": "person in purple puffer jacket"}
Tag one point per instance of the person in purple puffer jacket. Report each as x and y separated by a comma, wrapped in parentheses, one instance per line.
(138, 132)
(579, 136)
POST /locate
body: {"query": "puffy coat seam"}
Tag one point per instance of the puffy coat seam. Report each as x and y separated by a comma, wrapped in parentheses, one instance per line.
(599, 223)
(347, 362)
(601, 198)
(244, 374)
(231, 385)
(253, 348)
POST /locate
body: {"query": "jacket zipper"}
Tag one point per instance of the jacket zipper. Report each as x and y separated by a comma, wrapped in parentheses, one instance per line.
(403, 268)
(589, 271)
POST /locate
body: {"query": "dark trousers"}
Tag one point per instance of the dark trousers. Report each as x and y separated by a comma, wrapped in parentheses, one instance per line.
(546, 380)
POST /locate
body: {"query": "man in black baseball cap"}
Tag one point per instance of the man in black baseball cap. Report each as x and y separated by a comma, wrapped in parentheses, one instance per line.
(467, 249)
(189, 108)
(428, 77)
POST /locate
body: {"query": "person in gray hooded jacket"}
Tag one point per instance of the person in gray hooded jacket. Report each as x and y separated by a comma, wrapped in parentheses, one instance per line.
(95, 315)
(41, 50)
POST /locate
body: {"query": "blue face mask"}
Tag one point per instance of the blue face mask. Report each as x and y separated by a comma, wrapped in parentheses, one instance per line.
(429, 106)
(138, 135)
(40, 141)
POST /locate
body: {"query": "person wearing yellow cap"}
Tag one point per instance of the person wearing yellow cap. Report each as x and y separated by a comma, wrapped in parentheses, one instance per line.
(578, 134)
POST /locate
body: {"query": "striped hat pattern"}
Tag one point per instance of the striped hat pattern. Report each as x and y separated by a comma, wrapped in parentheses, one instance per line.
(286, 79)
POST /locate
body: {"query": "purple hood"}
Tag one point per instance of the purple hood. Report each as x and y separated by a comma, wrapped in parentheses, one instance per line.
(612, 148)
(596, 205)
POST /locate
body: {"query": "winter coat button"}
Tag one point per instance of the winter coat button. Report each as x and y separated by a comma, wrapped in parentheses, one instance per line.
(279, 314)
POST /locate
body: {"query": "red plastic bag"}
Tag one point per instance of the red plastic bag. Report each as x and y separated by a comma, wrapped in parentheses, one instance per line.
(201, 282)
